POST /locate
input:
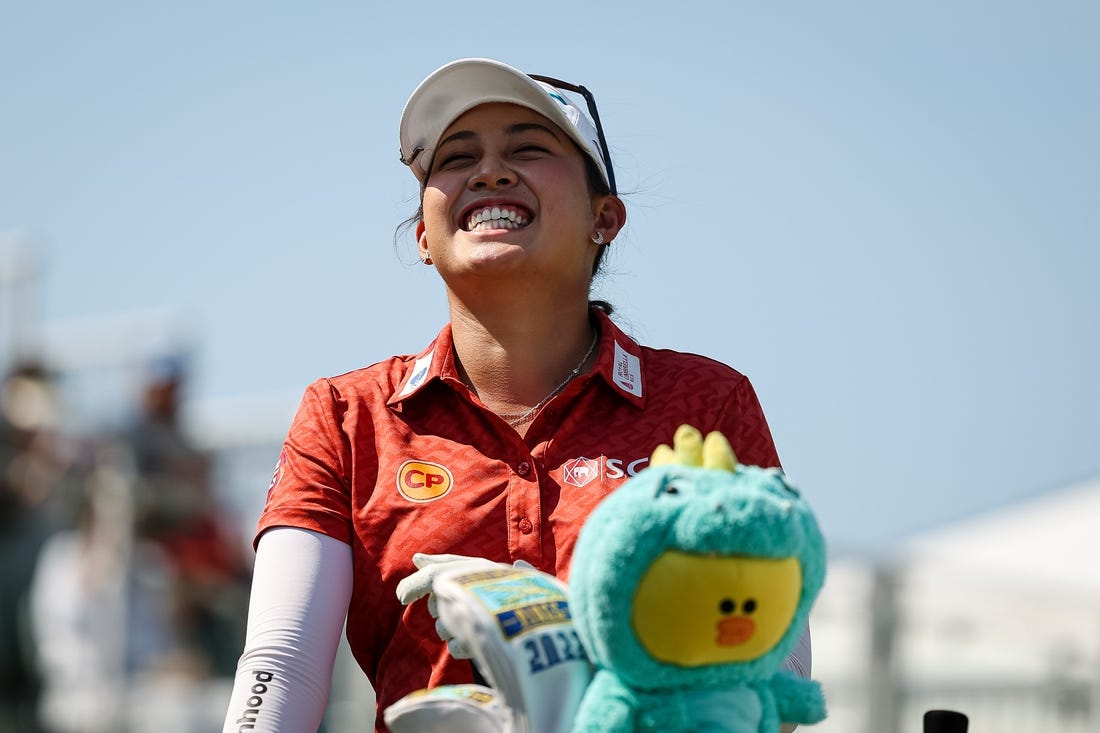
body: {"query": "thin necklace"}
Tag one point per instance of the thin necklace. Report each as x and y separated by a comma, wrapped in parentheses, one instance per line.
(516, 419)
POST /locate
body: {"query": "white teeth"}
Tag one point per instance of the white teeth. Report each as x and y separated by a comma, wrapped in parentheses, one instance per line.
(495, 217)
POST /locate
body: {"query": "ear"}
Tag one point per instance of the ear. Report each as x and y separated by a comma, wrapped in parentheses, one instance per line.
(610, 216)
(421, 239)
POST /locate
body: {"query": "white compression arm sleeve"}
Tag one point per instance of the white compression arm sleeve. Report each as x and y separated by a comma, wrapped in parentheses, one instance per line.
(800, 659)
(301, 587)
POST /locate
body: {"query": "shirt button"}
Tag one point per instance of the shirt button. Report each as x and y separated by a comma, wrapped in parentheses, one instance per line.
(523, 468)
(525, 525)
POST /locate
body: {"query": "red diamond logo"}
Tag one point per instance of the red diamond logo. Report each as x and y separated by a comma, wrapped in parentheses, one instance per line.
(580, 471)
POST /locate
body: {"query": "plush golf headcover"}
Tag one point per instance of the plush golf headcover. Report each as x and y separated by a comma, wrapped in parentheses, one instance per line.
(448, 709)
(517, 626)
(690, 586)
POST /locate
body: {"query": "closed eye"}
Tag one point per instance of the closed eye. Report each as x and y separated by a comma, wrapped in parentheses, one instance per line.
(531, 149)
(453, 159)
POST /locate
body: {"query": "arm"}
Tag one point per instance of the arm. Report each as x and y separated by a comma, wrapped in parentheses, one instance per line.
(800, 659)
(747, 429)
(301, 587)
(799, 663)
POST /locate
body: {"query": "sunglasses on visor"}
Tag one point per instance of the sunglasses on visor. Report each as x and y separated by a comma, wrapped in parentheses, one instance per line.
(594, 113)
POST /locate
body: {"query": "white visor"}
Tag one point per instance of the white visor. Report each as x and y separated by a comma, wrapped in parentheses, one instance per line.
(457, 87)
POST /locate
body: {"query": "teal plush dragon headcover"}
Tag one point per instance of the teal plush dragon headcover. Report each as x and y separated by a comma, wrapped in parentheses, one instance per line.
(690, 585)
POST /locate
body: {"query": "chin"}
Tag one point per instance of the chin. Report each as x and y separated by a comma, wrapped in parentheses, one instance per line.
(493, 253)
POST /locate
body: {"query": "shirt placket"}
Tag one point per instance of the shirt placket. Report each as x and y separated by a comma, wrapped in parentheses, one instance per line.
(525, 523)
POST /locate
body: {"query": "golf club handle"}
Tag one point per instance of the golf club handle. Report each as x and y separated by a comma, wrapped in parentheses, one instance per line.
(945, 721)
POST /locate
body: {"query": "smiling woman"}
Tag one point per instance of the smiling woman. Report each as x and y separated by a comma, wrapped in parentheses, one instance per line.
(470, 444)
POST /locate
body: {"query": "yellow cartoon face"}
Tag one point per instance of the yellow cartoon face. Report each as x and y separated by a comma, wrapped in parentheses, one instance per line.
(691, 609)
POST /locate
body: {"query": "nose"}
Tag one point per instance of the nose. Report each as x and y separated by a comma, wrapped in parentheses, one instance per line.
(492, 172)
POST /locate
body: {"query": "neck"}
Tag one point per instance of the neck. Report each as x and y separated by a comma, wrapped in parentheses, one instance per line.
(513, 360)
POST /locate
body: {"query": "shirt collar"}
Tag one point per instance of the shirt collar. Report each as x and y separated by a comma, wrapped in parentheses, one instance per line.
(620, 362)
(431, 364)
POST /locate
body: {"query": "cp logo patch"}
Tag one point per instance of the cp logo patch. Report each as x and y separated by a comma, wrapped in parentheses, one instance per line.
(580, 471)
(421, 481)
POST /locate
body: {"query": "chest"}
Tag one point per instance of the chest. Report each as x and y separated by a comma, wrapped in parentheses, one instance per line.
(458, 481)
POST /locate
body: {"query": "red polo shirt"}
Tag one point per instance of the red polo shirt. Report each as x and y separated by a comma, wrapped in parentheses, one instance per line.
(400, 457)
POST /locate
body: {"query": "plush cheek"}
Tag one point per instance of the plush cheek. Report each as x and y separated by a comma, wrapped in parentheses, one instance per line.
(691, 610)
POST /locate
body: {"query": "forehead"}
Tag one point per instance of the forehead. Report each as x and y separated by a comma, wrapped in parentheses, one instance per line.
(498, 117)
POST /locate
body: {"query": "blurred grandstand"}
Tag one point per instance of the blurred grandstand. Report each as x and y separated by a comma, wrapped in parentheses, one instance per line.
(997, 616)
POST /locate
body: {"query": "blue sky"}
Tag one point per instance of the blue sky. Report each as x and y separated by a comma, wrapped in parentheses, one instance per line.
(886, 214)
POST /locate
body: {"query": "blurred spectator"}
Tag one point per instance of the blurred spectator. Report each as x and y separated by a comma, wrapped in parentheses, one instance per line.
(100, 614)
(177, 508)
(119, 584)
(37, 490)
(42, 465)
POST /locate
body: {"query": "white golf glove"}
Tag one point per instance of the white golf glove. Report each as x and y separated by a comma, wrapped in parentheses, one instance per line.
(515, 623)
(419, 584)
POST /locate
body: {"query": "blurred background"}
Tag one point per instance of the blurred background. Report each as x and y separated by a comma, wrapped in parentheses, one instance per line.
(886, 215)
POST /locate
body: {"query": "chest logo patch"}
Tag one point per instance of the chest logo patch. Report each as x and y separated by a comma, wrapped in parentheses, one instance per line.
(580, 471)
(422, 481)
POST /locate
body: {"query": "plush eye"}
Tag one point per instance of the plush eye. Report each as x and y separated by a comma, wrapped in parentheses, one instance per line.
(672, 484)
(749, 605)
(671, 489)
(727, 606)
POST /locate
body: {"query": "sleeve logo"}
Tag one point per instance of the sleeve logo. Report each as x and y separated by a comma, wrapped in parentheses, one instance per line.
(278, 474)
(422, 481)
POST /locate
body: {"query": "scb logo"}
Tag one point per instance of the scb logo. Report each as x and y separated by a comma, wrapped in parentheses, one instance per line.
(423, 481)
(580, 472)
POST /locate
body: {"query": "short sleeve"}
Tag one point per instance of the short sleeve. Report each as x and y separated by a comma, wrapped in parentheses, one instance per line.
(746, 428)
(310, 488)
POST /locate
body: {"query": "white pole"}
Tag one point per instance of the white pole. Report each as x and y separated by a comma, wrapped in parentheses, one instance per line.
(19, 269)
(1094, 693)
(882, 687)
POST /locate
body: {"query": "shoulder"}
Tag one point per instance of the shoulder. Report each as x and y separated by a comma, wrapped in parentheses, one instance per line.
(385, 378)
(670, 370)
(664, 365)
(387, 371)
(380, 378)
(672, 360)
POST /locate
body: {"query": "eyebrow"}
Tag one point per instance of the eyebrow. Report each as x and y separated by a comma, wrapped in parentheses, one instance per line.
(515, 129)
(526, 126)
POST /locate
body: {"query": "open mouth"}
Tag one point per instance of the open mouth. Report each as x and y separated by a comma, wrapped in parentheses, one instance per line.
(497, 217)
